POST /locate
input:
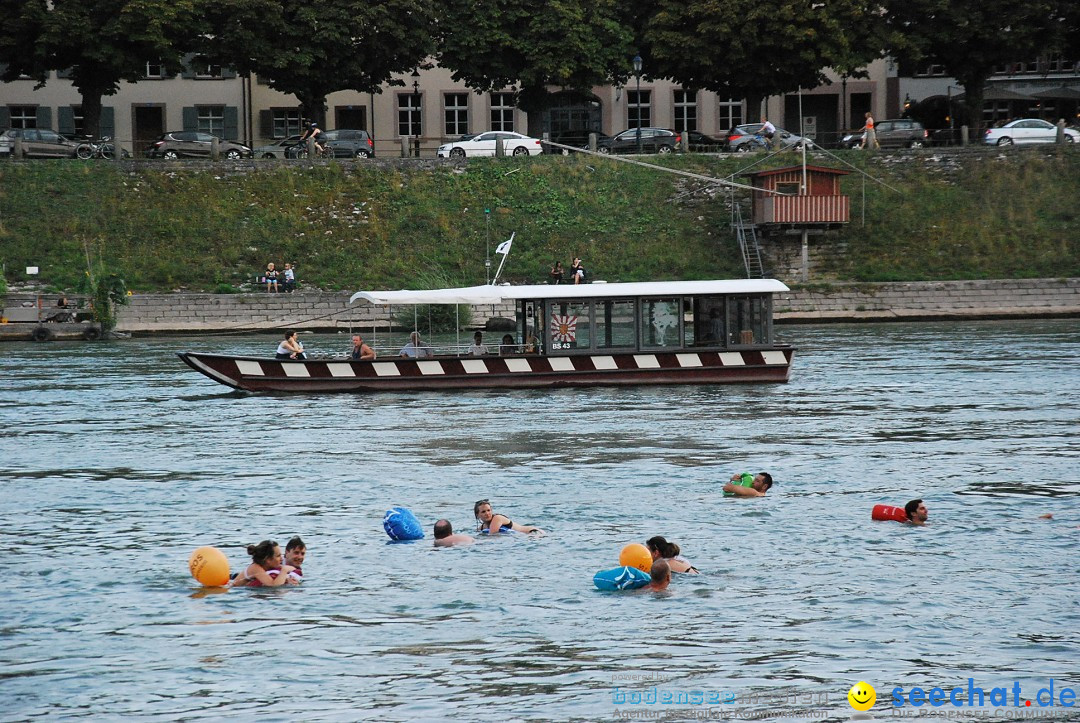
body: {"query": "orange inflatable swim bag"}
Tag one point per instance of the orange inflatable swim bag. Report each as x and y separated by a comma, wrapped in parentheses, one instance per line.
(883, 513)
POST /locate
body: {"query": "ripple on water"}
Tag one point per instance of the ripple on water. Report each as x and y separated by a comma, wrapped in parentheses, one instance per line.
(119, 461)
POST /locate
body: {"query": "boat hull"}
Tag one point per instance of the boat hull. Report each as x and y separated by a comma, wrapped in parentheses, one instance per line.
(519, 372)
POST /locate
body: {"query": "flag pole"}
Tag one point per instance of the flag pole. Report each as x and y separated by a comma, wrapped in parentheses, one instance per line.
(505, 253)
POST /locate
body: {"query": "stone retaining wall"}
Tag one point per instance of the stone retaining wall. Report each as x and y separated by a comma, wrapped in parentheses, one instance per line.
(149, 313)
(930, 300)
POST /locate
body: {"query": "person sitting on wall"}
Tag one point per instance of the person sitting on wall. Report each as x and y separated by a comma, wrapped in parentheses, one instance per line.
(271, 278)
(289, 275)
(556, 274)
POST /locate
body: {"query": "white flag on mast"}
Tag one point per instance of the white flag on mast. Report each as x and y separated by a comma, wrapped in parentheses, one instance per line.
(504, 247)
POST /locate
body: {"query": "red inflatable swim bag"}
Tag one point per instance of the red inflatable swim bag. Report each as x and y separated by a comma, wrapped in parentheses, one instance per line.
(884, 513)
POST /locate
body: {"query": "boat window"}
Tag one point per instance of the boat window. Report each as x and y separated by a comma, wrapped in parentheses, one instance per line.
(660, 322)
(708, 328)
(569, 325)
(748, 320)
(532, 333)
(615, 324)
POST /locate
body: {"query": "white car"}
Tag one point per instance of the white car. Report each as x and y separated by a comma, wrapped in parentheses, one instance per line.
(483, 144)
(1027, 130)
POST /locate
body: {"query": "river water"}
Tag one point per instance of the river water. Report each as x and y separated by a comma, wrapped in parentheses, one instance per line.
(119, 461)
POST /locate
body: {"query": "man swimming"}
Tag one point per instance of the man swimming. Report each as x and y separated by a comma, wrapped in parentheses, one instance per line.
(916, 513)
(445, 537)
(759, 485)
(661, 576)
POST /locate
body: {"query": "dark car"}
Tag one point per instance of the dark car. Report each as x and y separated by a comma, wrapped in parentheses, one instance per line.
(37, 143)
(898, 133)
(653, 140)
(578, 139)
(194, 144)
(705, 144)
(344, 142)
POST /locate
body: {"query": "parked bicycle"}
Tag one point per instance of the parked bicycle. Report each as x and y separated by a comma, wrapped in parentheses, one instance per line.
(101, 149)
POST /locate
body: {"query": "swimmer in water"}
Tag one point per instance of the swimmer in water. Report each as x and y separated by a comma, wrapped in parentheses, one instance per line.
(661, 549)
(445, 537)
(490, 521)
(295, 552)
(661, 576)
(265, 569)
(761, 484)
(916, 513)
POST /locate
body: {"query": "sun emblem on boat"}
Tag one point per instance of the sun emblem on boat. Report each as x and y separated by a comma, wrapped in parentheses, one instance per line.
(563, 328)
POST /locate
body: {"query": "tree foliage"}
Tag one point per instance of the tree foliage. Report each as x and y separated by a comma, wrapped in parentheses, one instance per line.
(971, 37)
(746, 48)
(568, 44)
(100, 42)
(310, 49)
(108, 292)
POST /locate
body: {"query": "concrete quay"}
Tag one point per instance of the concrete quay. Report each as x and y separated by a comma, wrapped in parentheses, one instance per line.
(838, 302)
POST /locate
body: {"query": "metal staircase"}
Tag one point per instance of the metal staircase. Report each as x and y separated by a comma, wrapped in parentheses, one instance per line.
(748, 243)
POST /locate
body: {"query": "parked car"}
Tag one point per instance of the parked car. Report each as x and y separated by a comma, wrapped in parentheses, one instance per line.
(705, 144)
(483, 144)
(194, 144)
(37, 143)
(744, 138)
(1027, 130)
(579, 139)
(344, 142)
(349, 143)
(276, 149)
(653, 140)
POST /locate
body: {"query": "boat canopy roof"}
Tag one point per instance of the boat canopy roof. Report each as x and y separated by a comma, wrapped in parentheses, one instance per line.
(490, 294)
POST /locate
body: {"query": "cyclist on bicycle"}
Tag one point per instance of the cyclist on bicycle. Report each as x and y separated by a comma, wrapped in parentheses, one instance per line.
(314, 132)
(767, 131)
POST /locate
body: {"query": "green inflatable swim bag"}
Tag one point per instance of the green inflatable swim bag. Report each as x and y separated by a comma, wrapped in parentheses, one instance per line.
(745, 480)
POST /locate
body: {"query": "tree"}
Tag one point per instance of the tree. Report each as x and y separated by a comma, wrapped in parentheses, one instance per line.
(569, 44)
(100, 42)
(971, 37)
(749, 49)
(310, 49)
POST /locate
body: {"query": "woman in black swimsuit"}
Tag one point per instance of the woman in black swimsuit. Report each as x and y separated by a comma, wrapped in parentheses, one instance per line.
(661, 549)
(486, 519)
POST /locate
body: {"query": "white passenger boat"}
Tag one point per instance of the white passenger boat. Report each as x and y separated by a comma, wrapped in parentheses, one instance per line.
(664, 332)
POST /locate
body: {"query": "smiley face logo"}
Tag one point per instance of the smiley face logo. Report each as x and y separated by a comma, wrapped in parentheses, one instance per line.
(862, 696)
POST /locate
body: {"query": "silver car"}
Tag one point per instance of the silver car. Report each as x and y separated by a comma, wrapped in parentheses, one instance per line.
(37, 143)
(277, 148)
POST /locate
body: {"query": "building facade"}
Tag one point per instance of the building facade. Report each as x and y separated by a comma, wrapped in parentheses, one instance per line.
(429, 107)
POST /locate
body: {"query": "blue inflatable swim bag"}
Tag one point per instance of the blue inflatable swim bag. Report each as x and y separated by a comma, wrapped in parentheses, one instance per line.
(401, 524)
(621, 578)
(502, 531)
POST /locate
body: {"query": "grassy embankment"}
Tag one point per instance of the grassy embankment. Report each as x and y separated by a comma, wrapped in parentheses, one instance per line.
(388, 225)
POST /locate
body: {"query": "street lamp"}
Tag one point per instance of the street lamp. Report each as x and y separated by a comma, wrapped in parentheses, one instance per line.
(637, 72)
